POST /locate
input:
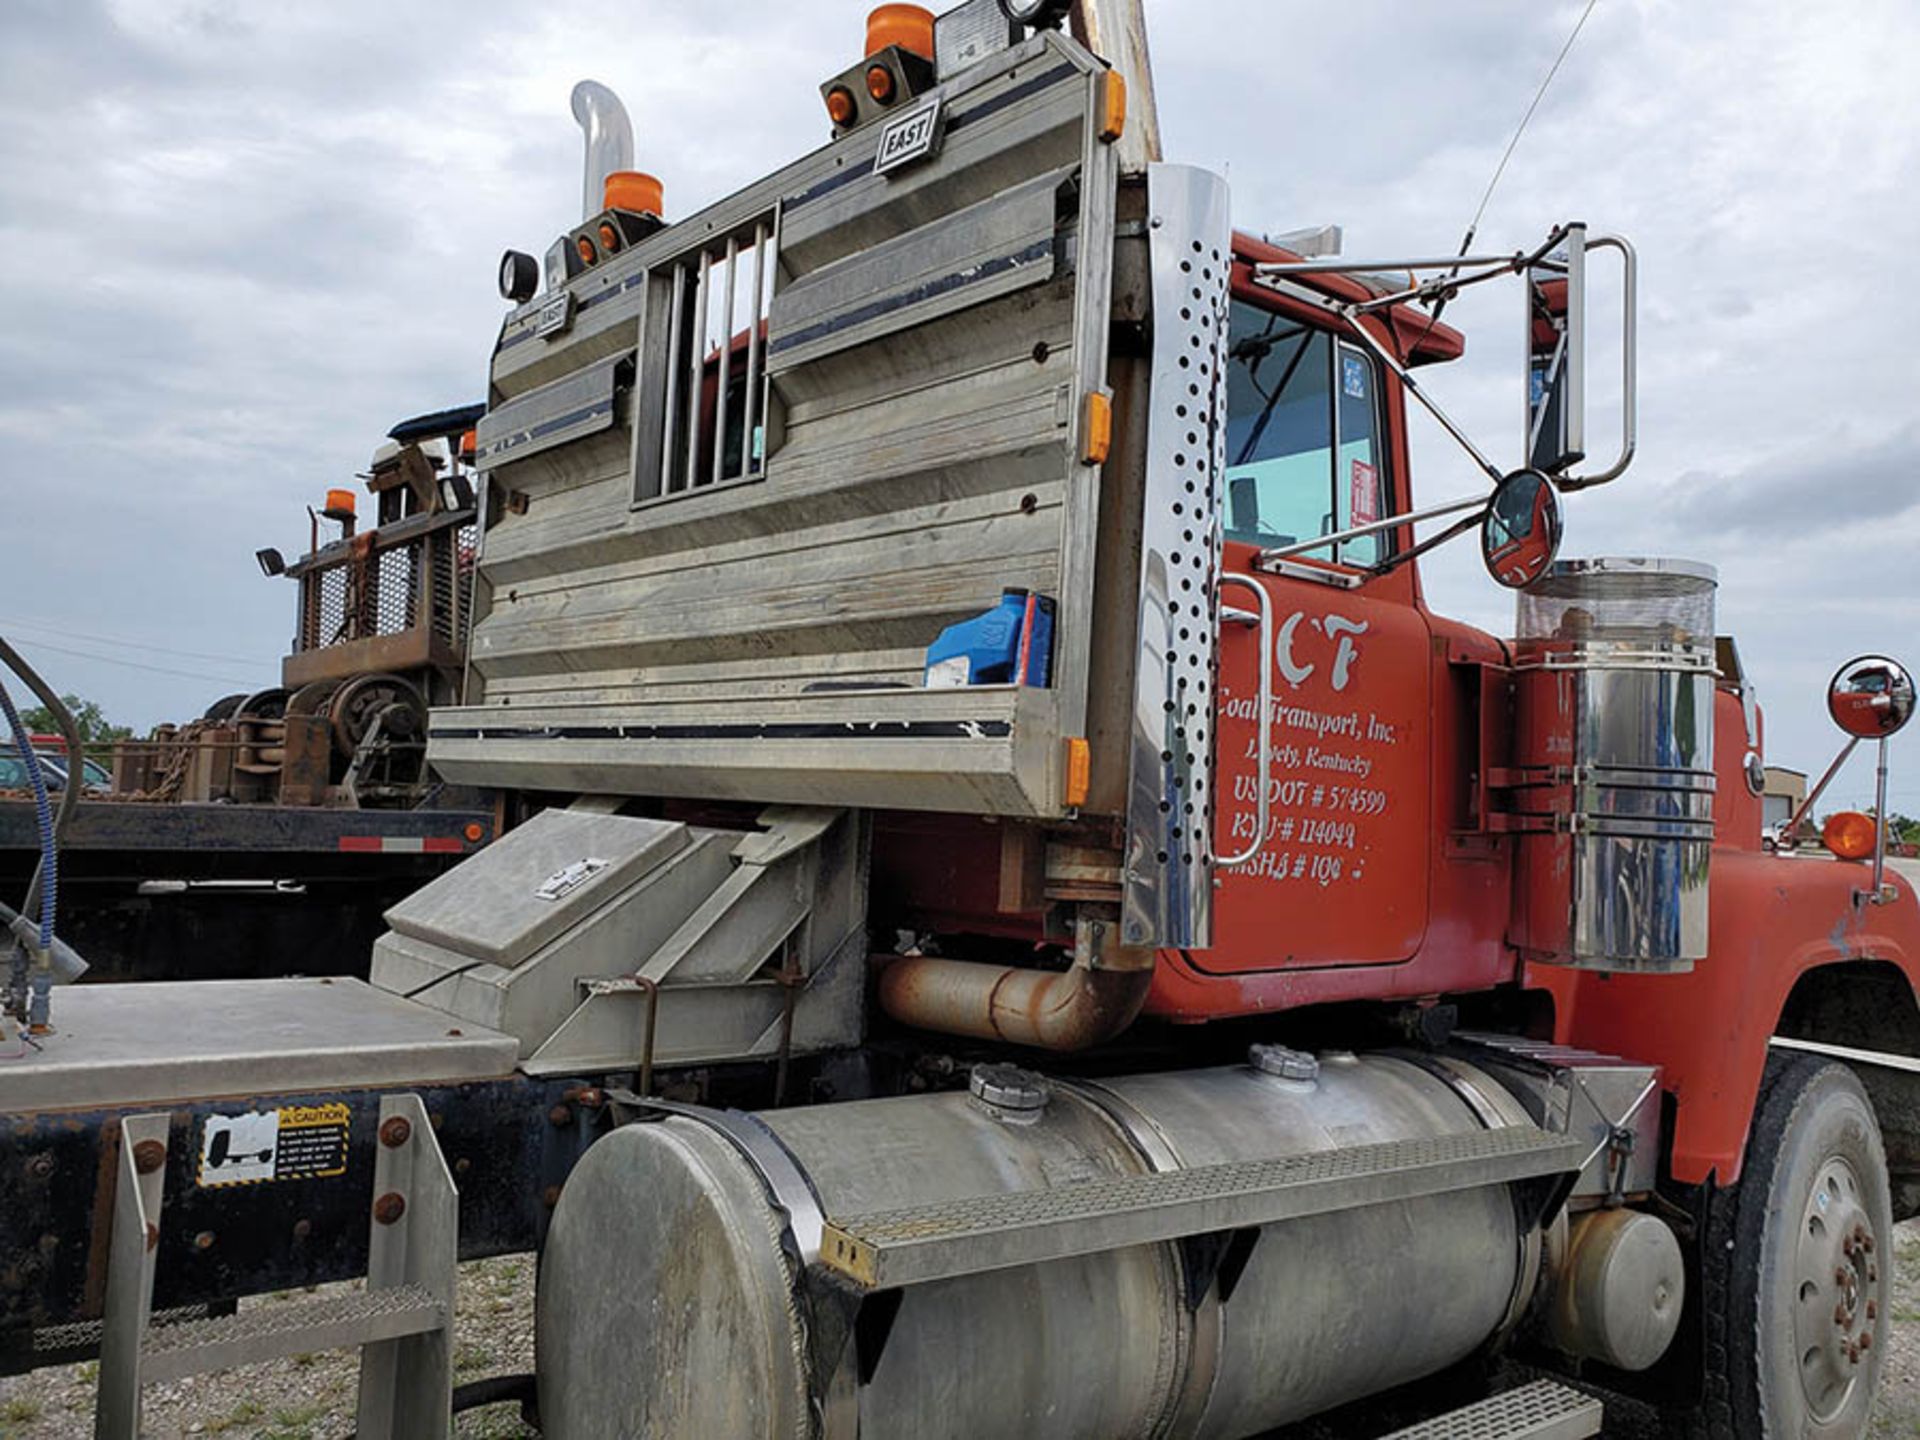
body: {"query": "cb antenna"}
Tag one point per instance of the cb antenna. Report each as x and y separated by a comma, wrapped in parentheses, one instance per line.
(1473, 225)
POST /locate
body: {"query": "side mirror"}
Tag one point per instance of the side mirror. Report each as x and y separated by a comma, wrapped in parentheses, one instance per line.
(1555, 286)
(1871, 698)
(1556, 357)
(1520, 532)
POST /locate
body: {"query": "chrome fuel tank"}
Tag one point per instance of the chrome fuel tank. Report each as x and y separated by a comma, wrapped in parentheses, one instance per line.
(671, 1305)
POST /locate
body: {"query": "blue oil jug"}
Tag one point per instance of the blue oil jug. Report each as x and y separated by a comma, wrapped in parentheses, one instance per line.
(1010, 644)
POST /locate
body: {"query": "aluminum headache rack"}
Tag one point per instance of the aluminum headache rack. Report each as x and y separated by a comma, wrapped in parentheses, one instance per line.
(756, 462)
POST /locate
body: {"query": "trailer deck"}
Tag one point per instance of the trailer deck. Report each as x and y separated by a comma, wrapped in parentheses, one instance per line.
(215, 891)
(126, 1046)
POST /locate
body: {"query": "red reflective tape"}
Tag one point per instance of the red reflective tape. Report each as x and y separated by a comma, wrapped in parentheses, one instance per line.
(404, 844)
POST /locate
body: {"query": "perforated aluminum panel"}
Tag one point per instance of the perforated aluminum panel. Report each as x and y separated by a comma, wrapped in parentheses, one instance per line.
(1167, 897)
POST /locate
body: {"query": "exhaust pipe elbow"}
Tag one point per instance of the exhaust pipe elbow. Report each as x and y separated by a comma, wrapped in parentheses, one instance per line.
(609, 141)
(1086, 1005)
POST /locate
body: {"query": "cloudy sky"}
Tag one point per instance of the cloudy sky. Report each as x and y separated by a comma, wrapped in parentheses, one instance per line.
(241, 239)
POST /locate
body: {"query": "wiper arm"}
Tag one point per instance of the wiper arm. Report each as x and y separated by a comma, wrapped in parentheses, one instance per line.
(1266, 411)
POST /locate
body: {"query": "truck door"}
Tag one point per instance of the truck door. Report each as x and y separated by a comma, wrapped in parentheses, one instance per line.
(1342, 875)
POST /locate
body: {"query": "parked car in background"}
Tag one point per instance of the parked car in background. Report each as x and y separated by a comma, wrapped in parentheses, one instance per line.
(54, 768)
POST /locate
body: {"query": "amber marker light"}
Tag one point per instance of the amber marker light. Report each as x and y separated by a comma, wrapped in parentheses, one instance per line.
(587, 252)
(476, 832)
(1097, 438)
(880, 83)
(1113, 107)
(1849, 834)
(609, 239)
(840, 106)
(1079, 771)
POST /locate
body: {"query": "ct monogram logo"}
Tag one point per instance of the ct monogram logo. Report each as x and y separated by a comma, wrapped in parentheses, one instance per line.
(1336, 628)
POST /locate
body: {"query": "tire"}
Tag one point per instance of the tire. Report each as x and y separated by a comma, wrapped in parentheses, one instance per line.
(1782, 1328)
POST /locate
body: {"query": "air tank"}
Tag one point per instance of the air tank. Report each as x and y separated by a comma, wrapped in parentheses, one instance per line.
(671, 1300)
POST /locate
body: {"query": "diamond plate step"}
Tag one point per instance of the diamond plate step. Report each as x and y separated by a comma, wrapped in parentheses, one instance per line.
(1540, 1411)
(922, 1243)
(273, 1330)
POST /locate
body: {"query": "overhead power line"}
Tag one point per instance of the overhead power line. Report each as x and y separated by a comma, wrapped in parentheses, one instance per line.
(137, 665)
(34, 627)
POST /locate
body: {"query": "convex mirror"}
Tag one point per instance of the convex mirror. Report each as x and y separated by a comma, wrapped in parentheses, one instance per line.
(1871, 697)
(1520, 533)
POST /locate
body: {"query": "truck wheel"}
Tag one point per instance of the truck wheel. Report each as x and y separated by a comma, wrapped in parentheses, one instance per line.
(1797, 1265)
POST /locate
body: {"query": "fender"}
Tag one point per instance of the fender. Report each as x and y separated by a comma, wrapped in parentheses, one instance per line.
(1772, 920)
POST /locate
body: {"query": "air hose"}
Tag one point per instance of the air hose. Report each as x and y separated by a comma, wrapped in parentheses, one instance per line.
(43, 814)
(76, 747)
(49, 873)
(30, 995)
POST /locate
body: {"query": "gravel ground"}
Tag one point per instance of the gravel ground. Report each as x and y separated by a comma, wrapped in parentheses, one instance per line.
(310, 1397)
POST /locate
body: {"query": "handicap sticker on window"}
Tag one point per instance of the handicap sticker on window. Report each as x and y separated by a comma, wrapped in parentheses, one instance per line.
(1356, 376)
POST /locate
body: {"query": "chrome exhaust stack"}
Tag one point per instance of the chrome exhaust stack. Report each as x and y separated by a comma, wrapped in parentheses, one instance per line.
(609, 141)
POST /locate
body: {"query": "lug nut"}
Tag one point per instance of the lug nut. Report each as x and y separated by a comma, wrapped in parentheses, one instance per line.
(1866, 1340)
(204, 1240)
(1873, 1310)
(149, 1156)
(1840, 1316)
(395, 1131)
(389, 1207)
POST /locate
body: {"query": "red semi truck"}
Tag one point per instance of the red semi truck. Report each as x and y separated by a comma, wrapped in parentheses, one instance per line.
(1275, 994)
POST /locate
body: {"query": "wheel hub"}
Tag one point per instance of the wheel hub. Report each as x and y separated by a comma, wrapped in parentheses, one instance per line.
(1838, 1280)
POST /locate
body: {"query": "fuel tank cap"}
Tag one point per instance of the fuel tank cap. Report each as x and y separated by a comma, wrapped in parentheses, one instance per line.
(1283, 1062)
(1008, 1087)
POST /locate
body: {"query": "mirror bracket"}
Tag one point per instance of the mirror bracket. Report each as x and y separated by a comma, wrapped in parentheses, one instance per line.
(1871, 697)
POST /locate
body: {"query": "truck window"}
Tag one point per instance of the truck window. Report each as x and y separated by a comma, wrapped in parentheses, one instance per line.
(1302, 427)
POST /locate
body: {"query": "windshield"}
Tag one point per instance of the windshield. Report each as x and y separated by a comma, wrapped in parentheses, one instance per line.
(1302, 422)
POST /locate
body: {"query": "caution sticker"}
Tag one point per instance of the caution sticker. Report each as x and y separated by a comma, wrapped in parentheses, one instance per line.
(296, 1142)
